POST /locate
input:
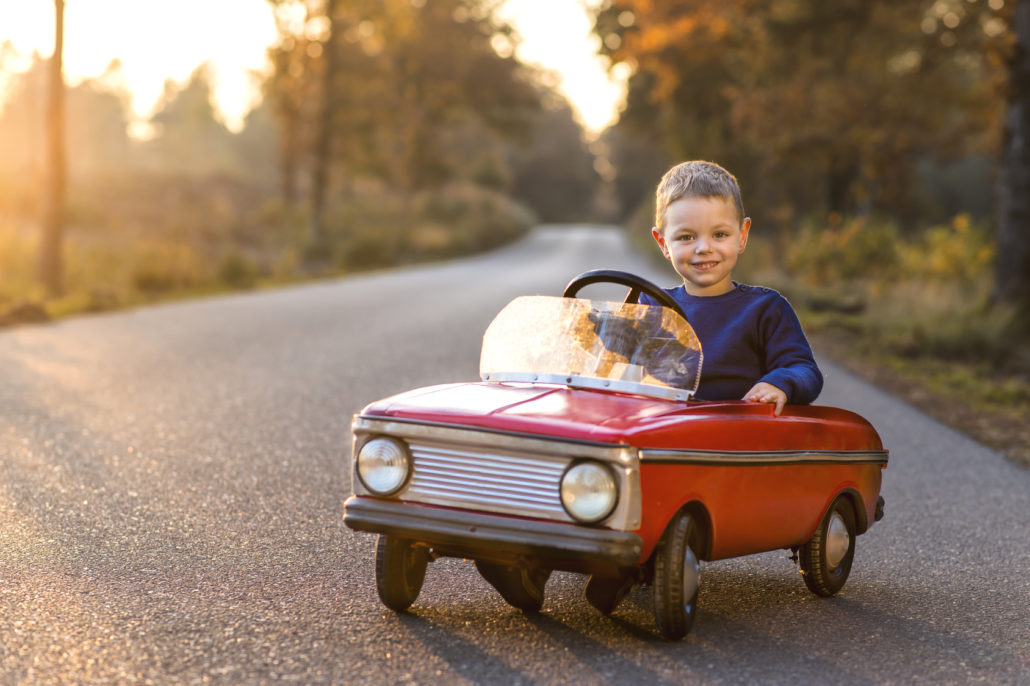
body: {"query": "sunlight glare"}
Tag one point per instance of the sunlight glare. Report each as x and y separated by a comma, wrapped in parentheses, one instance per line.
(155, 41)
(560, 37)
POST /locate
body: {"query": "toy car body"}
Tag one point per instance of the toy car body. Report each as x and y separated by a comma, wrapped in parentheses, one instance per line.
(582, 450)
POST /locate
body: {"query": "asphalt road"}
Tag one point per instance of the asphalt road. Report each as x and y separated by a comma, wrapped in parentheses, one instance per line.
(171, 481)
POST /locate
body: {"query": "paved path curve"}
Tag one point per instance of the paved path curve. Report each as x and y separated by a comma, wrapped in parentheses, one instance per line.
(171, 482)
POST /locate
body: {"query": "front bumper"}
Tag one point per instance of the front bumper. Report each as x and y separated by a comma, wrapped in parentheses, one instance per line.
(499, 538)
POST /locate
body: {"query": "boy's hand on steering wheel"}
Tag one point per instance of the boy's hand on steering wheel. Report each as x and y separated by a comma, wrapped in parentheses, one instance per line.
(763, 392)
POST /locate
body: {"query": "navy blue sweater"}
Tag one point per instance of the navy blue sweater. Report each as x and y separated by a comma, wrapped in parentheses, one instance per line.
(748, 335)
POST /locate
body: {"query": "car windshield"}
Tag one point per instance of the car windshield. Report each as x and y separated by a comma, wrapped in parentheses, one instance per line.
(643, 349)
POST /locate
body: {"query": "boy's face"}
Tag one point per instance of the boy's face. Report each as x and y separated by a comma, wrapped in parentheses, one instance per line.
(702, 238)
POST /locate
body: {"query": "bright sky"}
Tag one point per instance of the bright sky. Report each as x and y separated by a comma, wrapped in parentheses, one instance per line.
(557, 34)
(170, 39)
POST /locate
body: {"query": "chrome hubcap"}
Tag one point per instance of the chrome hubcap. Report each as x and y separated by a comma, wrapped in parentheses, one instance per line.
(837, 540)
(691, 576)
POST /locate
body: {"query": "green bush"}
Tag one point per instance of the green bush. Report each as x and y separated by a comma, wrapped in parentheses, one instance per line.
(160, 267)
(843, 251)
(958, 251)
(474, 218)
(237, 270)
(919, 295)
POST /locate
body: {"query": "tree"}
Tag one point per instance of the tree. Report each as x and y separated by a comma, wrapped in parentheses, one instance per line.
(189, 137)
(1012, 283)
(97, 119)
(397, 75)
(422, 67)
(553, 173)
(23, 119)
(639, 160)
(256, 145)
(803, 97)
(289, 89)
(50, 267)
(322, 150)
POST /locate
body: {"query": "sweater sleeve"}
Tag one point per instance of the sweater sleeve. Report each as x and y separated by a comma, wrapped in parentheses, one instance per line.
(788, 357)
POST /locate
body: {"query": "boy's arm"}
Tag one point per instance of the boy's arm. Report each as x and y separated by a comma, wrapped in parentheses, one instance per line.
(788, 356)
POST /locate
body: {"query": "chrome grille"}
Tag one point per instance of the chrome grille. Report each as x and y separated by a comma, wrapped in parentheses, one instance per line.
(500, 471)
(491, 479)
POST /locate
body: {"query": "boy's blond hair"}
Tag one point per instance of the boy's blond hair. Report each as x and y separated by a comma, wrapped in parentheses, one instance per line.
(696, 179)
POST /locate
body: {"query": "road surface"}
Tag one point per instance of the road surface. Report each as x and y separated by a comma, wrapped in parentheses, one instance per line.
(171, 481)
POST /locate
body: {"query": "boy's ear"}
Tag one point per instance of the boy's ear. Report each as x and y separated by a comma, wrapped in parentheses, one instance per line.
(745, 229)
(660, 240)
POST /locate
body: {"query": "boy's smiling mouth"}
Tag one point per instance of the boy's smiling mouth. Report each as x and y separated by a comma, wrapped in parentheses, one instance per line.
(704, 266)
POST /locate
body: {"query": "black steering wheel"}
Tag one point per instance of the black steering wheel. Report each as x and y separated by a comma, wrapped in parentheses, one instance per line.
(636, 285)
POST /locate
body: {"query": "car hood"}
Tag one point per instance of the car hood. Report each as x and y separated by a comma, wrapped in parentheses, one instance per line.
(616, 418)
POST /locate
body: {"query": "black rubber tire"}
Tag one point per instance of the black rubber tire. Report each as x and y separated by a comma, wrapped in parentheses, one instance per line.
(521, 587)
(675, 557)
(400, 571)
(822, 577)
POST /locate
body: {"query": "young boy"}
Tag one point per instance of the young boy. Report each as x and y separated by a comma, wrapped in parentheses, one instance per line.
(754, 348)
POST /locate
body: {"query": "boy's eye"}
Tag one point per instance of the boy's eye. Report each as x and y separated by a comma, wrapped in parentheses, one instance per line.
(685, 237)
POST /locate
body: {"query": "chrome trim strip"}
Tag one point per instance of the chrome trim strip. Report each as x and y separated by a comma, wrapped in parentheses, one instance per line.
(634, 387)
(744, 458)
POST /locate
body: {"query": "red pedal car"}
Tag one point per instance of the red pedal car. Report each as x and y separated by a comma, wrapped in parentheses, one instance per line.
(582, 450)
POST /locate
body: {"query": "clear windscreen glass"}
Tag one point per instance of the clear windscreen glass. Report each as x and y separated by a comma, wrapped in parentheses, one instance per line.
(642, 349)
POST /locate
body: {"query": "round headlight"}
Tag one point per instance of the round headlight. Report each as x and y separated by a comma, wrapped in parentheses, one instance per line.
(588, 491)
(383, 465)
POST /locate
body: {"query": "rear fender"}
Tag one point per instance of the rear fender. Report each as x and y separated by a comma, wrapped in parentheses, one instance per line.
(857, 506)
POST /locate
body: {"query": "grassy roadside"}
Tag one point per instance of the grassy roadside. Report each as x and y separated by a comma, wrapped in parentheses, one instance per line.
(134, 241)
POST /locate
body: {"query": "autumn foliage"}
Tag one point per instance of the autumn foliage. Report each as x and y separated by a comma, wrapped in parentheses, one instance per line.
(814, 105)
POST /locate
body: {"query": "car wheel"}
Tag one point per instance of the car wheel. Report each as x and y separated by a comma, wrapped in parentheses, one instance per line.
(826, 559)
(677, 577)
(521, 587)
(400, 571)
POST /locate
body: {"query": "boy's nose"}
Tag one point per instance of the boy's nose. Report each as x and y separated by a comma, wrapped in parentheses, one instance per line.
(701, 245)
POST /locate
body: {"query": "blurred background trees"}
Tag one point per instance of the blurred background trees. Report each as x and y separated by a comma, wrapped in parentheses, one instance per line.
(883, 150)
(398, 130)
(831, 107)
(389, 131)
(866, 137)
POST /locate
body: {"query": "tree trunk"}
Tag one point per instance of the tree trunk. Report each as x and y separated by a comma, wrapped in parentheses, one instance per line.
(50, 267)
(839, 179)
(289, 148)
(1012, 269)
(323, 138)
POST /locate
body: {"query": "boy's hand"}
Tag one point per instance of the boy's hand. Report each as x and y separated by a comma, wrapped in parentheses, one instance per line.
(763, 392)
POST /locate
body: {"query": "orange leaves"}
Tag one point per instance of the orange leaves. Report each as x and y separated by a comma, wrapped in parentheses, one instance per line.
(854, 85)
